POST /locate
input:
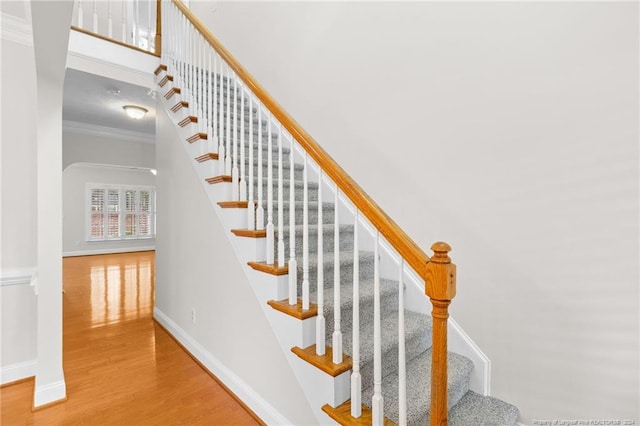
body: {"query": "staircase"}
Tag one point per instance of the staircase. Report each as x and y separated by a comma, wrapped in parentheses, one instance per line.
(276, 200)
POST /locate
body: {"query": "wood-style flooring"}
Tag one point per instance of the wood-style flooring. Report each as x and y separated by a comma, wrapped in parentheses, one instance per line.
(121, 368)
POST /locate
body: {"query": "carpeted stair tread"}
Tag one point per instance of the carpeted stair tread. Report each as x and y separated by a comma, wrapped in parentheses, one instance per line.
(475, 409)
(388, 298)
(417, 340)
(346, 267)
(327, 229)
(419, 387)
(327, 211)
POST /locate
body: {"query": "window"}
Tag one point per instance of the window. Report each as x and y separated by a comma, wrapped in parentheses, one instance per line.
(120, 212)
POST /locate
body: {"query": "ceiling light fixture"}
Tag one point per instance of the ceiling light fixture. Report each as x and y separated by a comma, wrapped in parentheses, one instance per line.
(135, 112)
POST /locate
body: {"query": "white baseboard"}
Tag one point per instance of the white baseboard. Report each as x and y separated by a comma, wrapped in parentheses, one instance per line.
(52, 392)
(18, 371)
(107, 251)
(241, 389)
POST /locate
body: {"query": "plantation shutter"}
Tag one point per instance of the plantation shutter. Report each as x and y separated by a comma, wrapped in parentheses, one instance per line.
(97, 223)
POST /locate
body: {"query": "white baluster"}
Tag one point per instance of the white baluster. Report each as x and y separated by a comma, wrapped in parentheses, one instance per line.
(134, 25)
(293, 263)
(211, 144)
(203, 90)
(251, 206)
(191, 71)
(216, 92)
(149, 39)
(243, 176)
(110, 22)
(80, 14)
(320, 320)
(270, 230)
(281, 253)
(235, 175)
(95, 16)
(337, 333)
(377, 401)
(124, 22)
(260, 209)
(402, 365)
(356, 378)
(305, 235)
(227, 160)
(220, 121)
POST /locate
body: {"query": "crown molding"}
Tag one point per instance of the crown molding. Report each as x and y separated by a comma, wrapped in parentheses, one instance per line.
(108, 132)
(15, 29)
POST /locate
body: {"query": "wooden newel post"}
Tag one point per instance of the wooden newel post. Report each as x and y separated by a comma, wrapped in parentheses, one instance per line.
(441, 289)
(158, 40)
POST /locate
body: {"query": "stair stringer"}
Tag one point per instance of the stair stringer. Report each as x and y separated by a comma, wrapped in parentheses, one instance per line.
(319, 387)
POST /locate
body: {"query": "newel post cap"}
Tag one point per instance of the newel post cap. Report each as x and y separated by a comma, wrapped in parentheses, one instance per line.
(441, 273)
(440, 252)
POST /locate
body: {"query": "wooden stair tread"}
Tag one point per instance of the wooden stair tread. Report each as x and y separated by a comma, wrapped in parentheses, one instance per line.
(167, 78)
(181, 104)
(342, 415)
(197, 136)
(250, 233)
(171, 92)
(233, 204)
(272, 269)
(160, 68)
(206, 157)
(218, 179)
(296, 310)
(188, 120)
(324, 362)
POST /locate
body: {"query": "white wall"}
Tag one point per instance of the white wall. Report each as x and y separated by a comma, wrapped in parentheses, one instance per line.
(74, 198)
(84, 148)
(196, 268)
(18, 207)
(509, 130)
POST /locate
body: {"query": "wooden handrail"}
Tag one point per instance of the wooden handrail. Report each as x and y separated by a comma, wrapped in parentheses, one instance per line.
(403, 244)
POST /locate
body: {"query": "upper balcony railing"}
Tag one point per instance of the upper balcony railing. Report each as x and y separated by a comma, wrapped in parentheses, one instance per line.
(132, 23)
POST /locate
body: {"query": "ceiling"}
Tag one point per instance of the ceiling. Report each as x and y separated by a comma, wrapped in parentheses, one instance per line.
(93, 100)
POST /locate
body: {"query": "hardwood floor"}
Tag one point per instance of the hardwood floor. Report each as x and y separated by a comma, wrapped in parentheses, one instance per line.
(121, 368)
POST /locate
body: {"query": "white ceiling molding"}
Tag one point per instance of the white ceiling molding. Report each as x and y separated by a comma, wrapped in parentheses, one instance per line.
(15, 29)
(110, 132)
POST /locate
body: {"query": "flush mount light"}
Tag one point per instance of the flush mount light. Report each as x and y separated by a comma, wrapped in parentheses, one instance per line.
(135, 112)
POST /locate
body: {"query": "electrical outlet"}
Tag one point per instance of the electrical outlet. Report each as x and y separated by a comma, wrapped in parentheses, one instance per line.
(193, 315)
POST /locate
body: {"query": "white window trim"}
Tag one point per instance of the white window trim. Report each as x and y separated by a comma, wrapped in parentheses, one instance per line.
(121, 211)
